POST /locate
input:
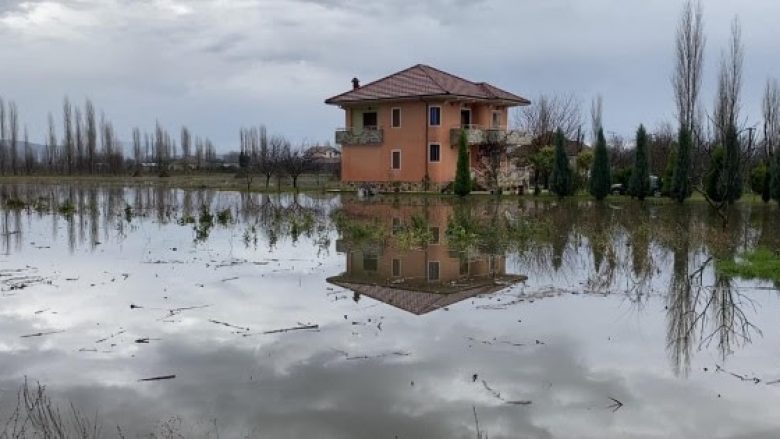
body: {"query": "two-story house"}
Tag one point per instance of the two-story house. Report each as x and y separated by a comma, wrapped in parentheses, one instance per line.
(401, 132)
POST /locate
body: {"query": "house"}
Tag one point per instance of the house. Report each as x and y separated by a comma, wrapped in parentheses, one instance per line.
(401, 132)
(326, 158)
(325, 152)
(422, 279)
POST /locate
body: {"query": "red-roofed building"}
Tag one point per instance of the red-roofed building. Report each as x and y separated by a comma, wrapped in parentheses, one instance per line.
(401, 131)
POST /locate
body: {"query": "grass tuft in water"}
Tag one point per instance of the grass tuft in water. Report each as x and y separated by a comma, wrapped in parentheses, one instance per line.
(67, 208)
(15, 203)
(761, 264)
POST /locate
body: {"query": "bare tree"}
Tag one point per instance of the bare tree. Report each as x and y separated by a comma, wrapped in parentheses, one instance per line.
(550, 113)
(770, 107)
(2, 137)
(689, 60)
(727, 101)
(13, 133)
(51, 145)
(271, 159)
(186, 145)
(137, 149)
(90, 126)
(79, 139)
(199, 153)
(211, 152)
(29, 155)
(294, 163)
(67, 133)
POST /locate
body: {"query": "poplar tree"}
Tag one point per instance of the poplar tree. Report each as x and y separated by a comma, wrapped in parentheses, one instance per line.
(600, 178)
(462, 174)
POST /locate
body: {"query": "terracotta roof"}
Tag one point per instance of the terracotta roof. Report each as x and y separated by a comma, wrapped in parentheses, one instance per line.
(425, 81)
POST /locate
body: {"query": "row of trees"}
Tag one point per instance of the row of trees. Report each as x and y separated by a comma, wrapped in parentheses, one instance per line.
(88, 144)
(712, 153)
(273, 156)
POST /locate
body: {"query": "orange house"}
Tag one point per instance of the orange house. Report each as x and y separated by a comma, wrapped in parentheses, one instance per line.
(401, 132)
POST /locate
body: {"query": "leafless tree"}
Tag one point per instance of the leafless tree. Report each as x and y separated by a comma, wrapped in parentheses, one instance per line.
(137, 149)
(186, 145)
(549, 113)
(771, 110)
(294, 163)
(727, 100)
(79, 138)
(273, 165)
(199, 153)
(211, 152)
(689, 60)
(3, 151)
(51, 145)
(29, 154)
(67, 135)
(596, 111)
(13, 133)
(90, 127)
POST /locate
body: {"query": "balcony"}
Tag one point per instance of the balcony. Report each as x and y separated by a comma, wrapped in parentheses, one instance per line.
(478, 135)
(360, 136)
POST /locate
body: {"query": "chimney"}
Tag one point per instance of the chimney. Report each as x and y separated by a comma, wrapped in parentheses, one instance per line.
(355, 83)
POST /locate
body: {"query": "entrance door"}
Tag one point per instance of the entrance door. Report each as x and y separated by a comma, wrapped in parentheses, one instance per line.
(370, 120)
(465, 117)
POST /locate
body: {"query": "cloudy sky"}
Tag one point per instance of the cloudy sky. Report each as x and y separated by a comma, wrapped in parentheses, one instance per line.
(217, 65)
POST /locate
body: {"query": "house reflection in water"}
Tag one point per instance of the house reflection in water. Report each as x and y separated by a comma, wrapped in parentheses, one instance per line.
(422, 277)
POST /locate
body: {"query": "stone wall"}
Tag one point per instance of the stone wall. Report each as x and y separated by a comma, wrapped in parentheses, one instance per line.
(396, 186)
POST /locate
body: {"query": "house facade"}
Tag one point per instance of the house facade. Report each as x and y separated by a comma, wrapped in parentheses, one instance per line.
(401, 132)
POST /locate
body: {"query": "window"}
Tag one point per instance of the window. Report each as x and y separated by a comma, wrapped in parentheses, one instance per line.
(370, 262)
(395, 118)
(434, 116)
(397, 225)
(496, 119)
(434, 235)
(396, 268)
(434, 152)
(369, 120)
(433, 270)
(395, 159)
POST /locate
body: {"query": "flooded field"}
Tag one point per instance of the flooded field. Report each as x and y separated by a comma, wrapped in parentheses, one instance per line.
(177, 313)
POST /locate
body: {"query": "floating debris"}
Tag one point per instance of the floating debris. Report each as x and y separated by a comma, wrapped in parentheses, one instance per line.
(159, 378)
(41, 334)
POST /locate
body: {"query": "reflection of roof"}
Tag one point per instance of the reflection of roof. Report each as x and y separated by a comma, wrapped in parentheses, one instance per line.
(422, 302)
(422, 80)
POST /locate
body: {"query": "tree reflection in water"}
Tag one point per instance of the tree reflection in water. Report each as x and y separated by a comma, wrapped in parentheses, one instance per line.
(442, 246)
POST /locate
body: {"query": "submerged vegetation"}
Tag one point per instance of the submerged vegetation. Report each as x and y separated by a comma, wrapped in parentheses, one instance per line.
(761, 263)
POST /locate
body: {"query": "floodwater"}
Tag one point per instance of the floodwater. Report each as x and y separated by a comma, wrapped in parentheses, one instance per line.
(331, 317)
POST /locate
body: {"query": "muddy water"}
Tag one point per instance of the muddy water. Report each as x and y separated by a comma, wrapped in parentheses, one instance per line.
(332, 317)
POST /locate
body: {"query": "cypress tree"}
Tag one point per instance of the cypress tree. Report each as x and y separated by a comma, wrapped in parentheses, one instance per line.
(730, 179)
(462, 174)
(639, 186)
(561, 180)
(600, 178)
(681, 188)
(775, 171)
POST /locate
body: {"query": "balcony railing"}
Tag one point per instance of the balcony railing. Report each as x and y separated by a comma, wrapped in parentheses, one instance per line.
(479, 135)
(360, 136)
